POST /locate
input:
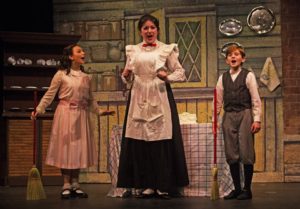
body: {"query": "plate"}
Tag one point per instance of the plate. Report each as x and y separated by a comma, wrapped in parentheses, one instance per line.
(261, 20)
(15, 87)
(15, 109)
(31, 87)
(225, 46)
(41, 62)
(230, 27)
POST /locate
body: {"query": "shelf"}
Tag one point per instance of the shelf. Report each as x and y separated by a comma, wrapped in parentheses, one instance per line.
(24, 115)
(22, 89)
(26, 67)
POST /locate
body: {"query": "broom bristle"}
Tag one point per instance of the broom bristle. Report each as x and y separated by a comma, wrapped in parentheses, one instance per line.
(215, 185)
(35, 189)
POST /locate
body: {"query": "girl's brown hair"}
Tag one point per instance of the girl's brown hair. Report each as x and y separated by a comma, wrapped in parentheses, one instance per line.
(65, 61)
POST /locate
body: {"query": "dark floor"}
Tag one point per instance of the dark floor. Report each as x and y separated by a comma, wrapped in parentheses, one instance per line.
(266, 196)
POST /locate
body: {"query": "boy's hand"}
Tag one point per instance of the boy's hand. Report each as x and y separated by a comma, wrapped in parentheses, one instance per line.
(255, 127)
(213, 127)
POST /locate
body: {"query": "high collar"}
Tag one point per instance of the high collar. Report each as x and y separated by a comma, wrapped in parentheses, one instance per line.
(75, 72)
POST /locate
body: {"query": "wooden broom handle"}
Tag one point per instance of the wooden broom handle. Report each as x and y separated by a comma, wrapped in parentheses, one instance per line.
(215, 126)
(35, 99)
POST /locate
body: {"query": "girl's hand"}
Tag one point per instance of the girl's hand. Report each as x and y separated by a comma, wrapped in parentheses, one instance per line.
(34, 115)
(107, 113)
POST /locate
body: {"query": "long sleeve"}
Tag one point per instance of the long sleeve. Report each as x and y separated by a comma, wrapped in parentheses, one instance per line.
(130, 49)
(255, 98)
(128, 79)
(177, 71)
(51, 92)
(220, 92)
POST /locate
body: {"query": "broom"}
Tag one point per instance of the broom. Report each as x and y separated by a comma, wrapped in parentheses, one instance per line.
(35, 190)
(215, 186)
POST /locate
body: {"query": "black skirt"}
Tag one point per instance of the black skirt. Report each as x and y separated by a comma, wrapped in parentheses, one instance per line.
(156, 164)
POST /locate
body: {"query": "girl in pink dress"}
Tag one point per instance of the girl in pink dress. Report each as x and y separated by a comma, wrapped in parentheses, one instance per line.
(71, 145)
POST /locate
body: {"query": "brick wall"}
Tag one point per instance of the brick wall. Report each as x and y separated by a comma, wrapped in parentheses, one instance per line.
(290, 18)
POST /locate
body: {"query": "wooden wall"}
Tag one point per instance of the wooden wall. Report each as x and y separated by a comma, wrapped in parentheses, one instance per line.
(80, 16)
(269, 142)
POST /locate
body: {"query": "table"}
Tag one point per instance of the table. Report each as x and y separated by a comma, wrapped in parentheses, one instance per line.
(198, 146)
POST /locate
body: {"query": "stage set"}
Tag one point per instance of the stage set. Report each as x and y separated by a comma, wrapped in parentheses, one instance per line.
(203, 29)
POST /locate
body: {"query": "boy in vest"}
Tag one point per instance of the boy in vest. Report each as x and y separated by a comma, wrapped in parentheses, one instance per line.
(237, 93)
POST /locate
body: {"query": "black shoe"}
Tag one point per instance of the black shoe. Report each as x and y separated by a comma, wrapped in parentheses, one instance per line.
(79, 193)
(66, 194)
(176, 195)
(163, 195)
(127, 194)
(145, 196)
(232, 195)
(245, 195)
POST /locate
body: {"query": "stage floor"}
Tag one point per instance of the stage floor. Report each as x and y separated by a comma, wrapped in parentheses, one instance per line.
(265, 196)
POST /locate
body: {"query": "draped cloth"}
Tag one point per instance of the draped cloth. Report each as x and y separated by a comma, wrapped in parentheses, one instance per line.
(269, 75)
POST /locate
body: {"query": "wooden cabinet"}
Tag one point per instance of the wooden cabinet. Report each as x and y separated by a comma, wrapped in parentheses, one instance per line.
(28, 63)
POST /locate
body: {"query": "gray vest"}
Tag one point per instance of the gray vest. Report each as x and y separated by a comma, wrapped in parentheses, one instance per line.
(236, 94)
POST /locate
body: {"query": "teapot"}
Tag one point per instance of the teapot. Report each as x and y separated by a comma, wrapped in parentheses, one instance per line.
(114, 51)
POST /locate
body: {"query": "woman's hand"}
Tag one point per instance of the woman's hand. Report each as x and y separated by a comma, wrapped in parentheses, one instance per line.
(107, 112)
(162, 74)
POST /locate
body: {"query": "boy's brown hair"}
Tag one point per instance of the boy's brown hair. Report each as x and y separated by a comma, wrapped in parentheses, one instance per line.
(234, 47)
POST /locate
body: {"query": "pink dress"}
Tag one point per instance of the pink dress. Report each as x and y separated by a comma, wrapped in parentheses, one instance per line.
(71, 145)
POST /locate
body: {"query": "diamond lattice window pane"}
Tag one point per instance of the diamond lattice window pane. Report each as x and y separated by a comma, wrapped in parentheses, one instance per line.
(188, 37)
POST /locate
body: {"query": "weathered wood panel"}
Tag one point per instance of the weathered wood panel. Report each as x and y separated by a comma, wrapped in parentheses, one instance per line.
(20, 147)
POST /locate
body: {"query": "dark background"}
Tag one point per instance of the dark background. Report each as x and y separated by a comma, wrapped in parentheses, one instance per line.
(27, 16)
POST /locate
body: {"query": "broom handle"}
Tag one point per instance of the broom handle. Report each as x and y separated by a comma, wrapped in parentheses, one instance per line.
(34, 128)
(215, 126)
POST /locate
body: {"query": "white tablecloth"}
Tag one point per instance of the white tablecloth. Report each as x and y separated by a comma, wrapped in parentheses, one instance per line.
(198, 146)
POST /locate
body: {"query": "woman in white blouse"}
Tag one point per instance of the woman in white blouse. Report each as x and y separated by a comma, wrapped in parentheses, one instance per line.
(152, 157)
